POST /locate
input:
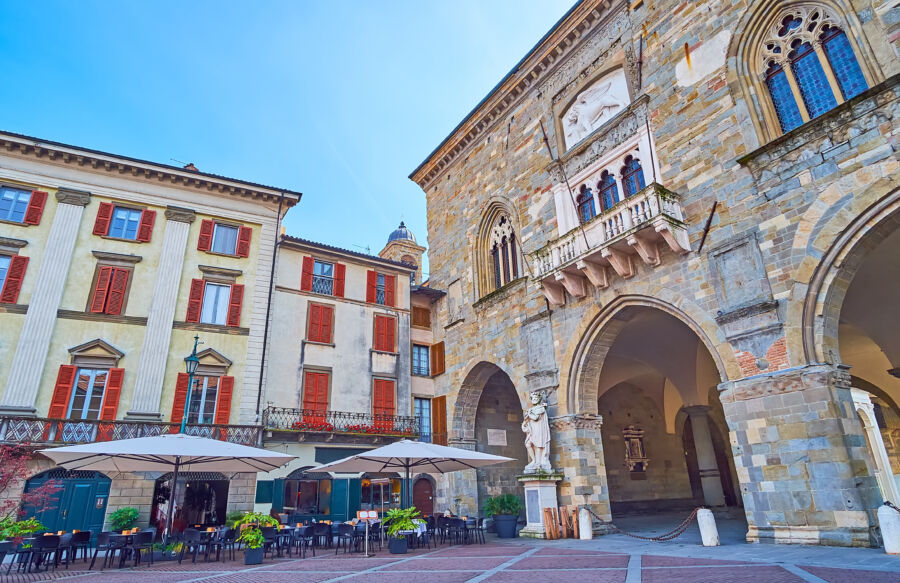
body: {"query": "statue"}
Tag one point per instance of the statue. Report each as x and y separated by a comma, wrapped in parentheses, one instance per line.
(537, 435)
(591, 108)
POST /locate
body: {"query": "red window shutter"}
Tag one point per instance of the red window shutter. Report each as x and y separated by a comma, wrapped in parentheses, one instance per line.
(243, 242)
(379, 341)
(195, 301)
(117, 285)
(383, 403)
(234, 305)
(110, 406)
(371, 285)
(315, 396)
(312, 331)
(223, 402)
(204, 242)
(59, 403)
(339, 274)
(325, 323)
(145, 228)
(98, 302)
(181, 391)
(390, 334)
(14, 277)
(390, 283)
(35, 207)
(104, 217)
(306, 277)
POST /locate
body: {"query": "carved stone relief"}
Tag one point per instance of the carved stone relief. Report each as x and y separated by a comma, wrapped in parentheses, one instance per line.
(594, 106)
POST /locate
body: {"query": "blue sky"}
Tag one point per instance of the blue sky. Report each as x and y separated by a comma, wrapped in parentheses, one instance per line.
(339, 100)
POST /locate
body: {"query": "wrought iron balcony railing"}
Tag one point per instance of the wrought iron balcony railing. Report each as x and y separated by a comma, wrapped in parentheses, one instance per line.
(634, 226)
(306, 420)
(35, 430)
(322, 284)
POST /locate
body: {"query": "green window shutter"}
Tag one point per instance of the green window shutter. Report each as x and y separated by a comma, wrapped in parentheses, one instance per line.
(263, 491)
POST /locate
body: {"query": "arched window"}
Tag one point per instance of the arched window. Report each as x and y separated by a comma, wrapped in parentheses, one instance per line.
(808, 65)
(632, 176)
(586, 209)
(504, 254)
(609, 192)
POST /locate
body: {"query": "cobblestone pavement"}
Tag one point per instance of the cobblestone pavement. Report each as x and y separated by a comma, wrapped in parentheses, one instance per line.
(519, 560)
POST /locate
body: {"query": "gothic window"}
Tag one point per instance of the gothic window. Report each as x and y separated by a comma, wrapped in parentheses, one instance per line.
(609, 192)
(586, 209)
(808, 65)
(632, 176)
(504, 253)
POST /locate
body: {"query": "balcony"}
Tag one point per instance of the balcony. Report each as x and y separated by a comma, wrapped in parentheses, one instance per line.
(39, 431)
(634, 226)
(286, 424)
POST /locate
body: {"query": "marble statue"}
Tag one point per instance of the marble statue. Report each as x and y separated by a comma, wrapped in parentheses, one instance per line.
(592, 107)
(537, 435)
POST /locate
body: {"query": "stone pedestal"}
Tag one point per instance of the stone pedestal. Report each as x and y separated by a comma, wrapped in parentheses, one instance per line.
(540, 493)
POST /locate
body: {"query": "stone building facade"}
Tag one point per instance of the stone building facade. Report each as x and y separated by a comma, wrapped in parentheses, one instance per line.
(679, 220)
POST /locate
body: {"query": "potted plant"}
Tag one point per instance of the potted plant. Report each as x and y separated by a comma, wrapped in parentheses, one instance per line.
(251, 535)
(505, 511)
(400, 520)
(123, 518)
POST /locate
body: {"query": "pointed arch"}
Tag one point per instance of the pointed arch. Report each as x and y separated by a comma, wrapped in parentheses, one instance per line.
(497, 252)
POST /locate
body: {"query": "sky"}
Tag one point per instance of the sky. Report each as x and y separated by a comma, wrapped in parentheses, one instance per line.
(340, 100)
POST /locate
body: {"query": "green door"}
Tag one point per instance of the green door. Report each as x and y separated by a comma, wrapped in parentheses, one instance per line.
(79, 504)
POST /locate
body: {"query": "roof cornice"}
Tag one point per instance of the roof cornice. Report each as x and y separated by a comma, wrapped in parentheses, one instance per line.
(345, 254)
(554, 48)
(65, 154)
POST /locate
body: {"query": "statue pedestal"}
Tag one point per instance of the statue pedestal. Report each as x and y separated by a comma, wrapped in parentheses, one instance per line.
(540, 493)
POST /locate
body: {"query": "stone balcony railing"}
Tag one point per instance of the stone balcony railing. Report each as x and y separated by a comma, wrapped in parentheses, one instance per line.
(632, 227)
(39, 431)
(338, 426)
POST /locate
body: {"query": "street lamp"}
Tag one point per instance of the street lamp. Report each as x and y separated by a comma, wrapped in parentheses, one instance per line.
(190, 364)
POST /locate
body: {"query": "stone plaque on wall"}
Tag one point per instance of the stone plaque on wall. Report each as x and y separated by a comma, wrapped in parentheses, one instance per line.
(738, 274)
(496, 437)
(533, 505)
(537, 337)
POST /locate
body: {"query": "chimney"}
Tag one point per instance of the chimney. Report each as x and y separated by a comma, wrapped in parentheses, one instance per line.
(190, 166)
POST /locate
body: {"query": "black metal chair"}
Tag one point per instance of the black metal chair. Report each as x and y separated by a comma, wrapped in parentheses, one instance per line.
(192, 539)
(224, 542)
(21, 558)
(456, 529)
(478, 530)
(304, 538)
(143, 541)
(345, 538)
(5, 547)
(80, 540)
(45, 550)
(322, 534)
(270, 540)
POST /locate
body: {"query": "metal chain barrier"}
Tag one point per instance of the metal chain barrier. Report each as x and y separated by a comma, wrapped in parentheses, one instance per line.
(671, 535)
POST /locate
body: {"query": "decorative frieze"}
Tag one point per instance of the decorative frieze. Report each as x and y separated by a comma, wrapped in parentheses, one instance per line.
(73, 197)
(179, 214)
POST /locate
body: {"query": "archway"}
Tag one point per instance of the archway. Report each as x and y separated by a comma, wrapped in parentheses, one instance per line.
(653, 380)
(201, 500)
(80, 502)
(423, 494)
(863, 296)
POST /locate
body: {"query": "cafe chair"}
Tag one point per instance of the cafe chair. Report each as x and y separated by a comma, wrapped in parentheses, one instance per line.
(270, 540)
(304, 538)
(322, 534)
(45, 550)
(224, 543)
(346, 537)
(80, 540)
(143, 541)
(192, 539)
(21, 558)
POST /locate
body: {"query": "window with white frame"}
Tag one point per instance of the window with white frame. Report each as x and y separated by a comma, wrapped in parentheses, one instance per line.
(124, 223)
(87, 394)
(323, 278)
(224, 239)
(204, 393)
(4, 268)
(420, 360)
(422, 412)
(13, 203)
(215, 303)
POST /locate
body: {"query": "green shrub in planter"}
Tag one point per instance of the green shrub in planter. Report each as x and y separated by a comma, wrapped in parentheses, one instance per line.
(123, 518)
(505, 511)
(397, 521)
(16, 530)
(252, 536)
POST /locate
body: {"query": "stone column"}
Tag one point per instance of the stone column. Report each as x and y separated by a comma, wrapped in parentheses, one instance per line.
(40, 319)
(799, 452)
(151, 369)
(576, 449)
(706, 456)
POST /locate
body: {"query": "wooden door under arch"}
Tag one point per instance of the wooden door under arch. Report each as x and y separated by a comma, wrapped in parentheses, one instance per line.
(423, 496)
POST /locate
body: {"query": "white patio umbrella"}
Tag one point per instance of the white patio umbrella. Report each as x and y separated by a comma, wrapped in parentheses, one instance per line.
(176, 453)
(410, 455)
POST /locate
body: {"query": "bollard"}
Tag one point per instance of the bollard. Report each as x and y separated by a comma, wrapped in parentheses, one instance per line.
(889, 522)
(708, 531)
(585, 524)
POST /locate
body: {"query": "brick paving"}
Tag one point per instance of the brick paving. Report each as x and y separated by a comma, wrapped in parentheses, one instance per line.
(522, 560)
